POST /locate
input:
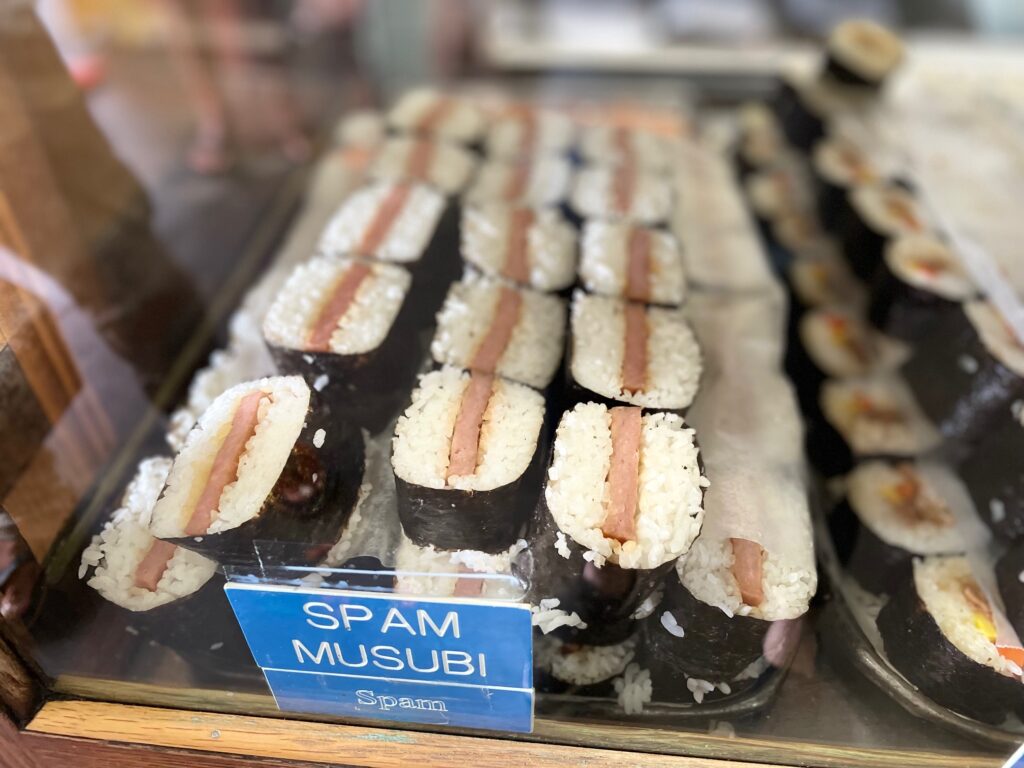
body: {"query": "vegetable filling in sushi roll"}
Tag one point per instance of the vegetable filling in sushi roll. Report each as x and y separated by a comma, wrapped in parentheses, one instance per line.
(633, 262)
(467, 459)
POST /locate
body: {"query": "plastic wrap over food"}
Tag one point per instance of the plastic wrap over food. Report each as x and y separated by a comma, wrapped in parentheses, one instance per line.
(737, 331)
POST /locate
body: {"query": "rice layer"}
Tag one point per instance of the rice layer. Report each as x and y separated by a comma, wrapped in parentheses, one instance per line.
(280, 419)
(508, 436)
(436, 573)
(888, 209)
(407, 236)
(540, 132)
(925, 262)
(364, 325)
(669, 510)
(598, 346)
(546, 182)
(604, 262)
(593, 196)
(535, 349)
(115, 553)
(842, 163)
(842, 345)
(449, 168)
(459, 119)
(996, 335)
(550, 244)
(607, 144)
(583, 664)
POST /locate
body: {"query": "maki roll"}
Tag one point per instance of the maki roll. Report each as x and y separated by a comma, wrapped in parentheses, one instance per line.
(632, 262)
(429, 572)
(944, 633)
(467, 460)
(839, 165)
(261, 465)
(623, 500)
(491, 327)
(863, 53)
(919, 281)
(819, 278)
(875, 417)
(525, 131)
(624, 352)
(805, 107)
(966, 374)
(348, 327)
(879, 213)
(583, 670)
(775, 192)
(761, 143)
(175, 595)
(621, 192)
(532, 247)
(540, 181)
(995, 478)
(427, 112)
(616, 145)
(1010, 578)
(446, 167)
(894, 512)
(401, 223)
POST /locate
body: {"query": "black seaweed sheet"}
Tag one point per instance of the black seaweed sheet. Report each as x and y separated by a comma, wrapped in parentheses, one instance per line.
(877, 566)
(905, 311)
(994, 476)
(803, 128)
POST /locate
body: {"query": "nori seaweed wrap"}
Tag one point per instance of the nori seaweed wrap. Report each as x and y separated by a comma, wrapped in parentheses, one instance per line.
(862, 53)
(994, 476)
(879, 212)
(838, 165)
(582, 670)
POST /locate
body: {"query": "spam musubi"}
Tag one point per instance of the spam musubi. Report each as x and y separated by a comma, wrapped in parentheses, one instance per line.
(627, 352)
(894, 512)
(532, 247)
(632, 262)
(944, 632)
(262, 465)
(1010, 579)
(966, 374)
(427, 112)
(431, 572)
(584, 670)
(623, 499)
(918, 282)
(468, 456)
(491, 326)
(994, 476)
(348, 327)
(538, 181)
(617, 145)
(446, 167)
(879, 213)
(621, 192)
(525, 131)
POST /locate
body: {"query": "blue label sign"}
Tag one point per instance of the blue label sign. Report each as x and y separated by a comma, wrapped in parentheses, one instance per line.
(423, 660)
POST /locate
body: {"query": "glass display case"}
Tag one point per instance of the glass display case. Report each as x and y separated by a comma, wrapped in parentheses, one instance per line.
(387, 382)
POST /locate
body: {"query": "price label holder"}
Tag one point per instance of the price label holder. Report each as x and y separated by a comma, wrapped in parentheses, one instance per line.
(434, 661)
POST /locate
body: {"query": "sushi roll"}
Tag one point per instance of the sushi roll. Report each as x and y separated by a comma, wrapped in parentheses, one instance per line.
(761, 143)
(261, 465)
(995, 478)
(838, 165)
(894, 512)
(491, 327)
(966, 373)
(875, 417)
(426, 112)
(624, 352)
(429, 572)
(583, 670)
(942, 631)
(400, 223)
(348, 327)
(616, 145)
(623, 500)
(820, 278)
(862, 53)
(467, 456)
(175, 596)
(621, 192)
(1011, 585)
(919, 281)
(879, 213)
(532, 247)
(526, 131)
(775, 192)
(446, 167)
(632, 262)
(539, 182)
(796, 233)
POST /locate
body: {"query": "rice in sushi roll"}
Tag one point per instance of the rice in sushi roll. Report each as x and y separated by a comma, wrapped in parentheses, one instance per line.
(527, 131)
(894, 512)
(874, 417)
(467, 457)
(862, 52)
(630, 353)
(261, 465)
(431, 113)
(540, 181)
(616, 145)
(347, 326)
(491, 327)
(920, 280)
(583, 670)
(446, 167)
(839, 165)
(879, 213)
(623, 500)
(994, 476)
(805, 106)
(429, 572)
(632, 262)
(966, 373)
(820, 278)
(944, 633)
(622, 192)
(533, 247)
